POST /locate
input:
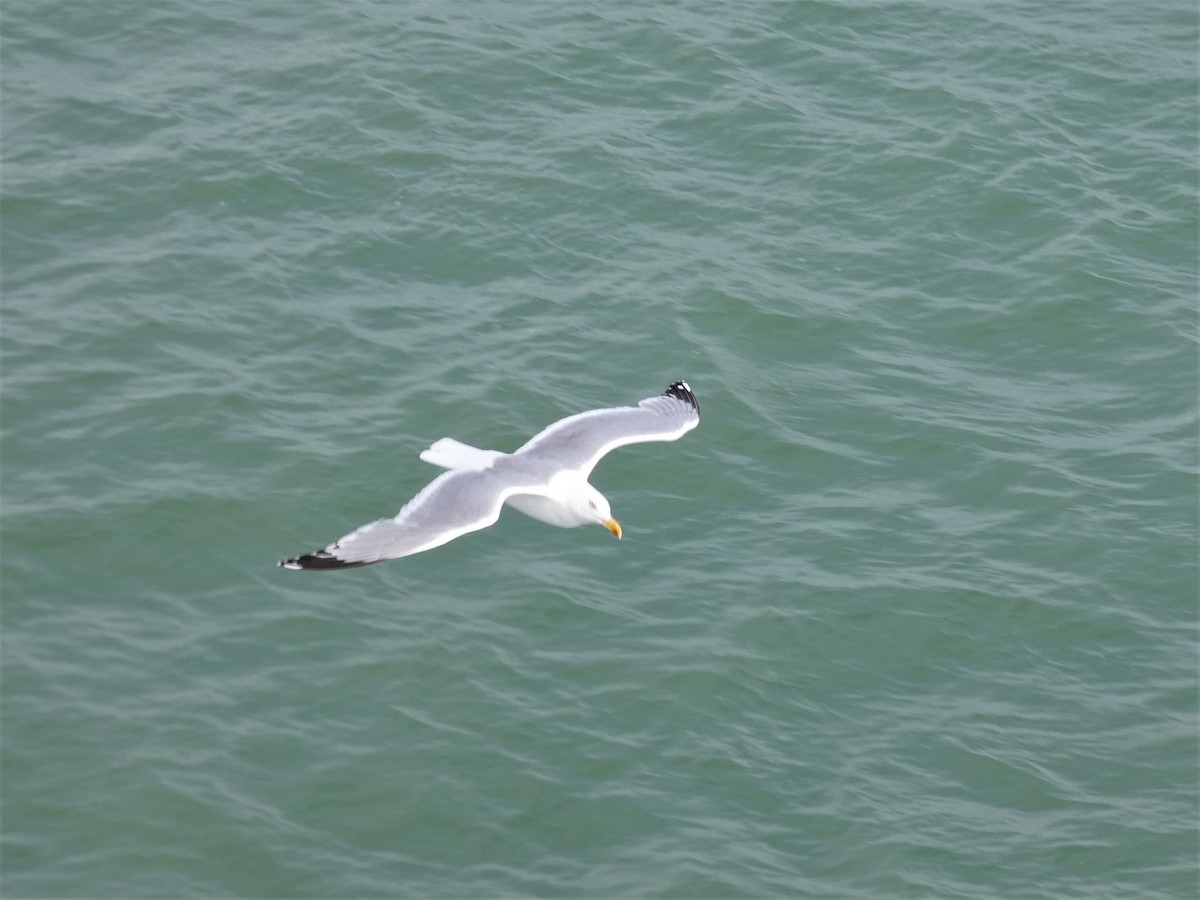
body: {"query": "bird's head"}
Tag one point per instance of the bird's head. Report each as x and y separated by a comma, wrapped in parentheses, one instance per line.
(598, 510)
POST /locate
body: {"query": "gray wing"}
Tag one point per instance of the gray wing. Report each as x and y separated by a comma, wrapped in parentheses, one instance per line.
(450, 506)
(580, 441)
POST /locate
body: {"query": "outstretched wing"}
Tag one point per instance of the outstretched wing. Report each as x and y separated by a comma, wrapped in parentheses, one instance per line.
(580, 441)
(450, 506)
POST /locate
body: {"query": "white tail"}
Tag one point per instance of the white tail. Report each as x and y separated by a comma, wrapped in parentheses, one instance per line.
(451, 454)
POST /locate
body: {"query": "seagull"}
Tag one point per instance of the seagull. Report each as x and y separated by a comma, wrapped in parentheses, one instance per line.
(546, 479)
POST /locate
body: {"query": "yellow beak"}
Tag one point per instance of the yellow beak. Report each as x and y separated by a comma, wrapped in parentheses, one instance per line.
(614, 526)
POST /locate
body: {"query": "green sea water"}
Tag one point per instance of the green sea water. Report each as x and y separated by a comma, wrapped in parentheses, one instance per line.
(912, 613)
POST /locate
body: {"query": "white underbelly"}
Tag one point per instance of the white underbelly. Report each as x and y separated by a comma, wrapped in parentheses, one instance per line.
(544, 510)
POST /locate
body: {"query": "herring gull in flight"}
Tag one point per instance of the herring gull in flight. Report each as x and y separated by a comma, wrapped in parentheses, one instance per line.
(546, 479)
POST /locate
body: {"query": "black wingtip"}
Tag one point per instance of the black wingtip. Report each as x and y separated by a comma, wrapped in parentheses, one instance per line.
(321, 560)
(681, 390)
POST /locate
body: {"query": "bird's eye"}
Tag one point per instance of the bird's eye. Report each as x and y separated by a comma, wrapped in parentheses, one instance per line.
(592, 504)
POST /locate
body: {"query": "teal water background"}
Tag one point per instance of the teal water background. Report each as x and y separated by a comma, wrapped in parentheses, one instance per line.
(913, 611)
